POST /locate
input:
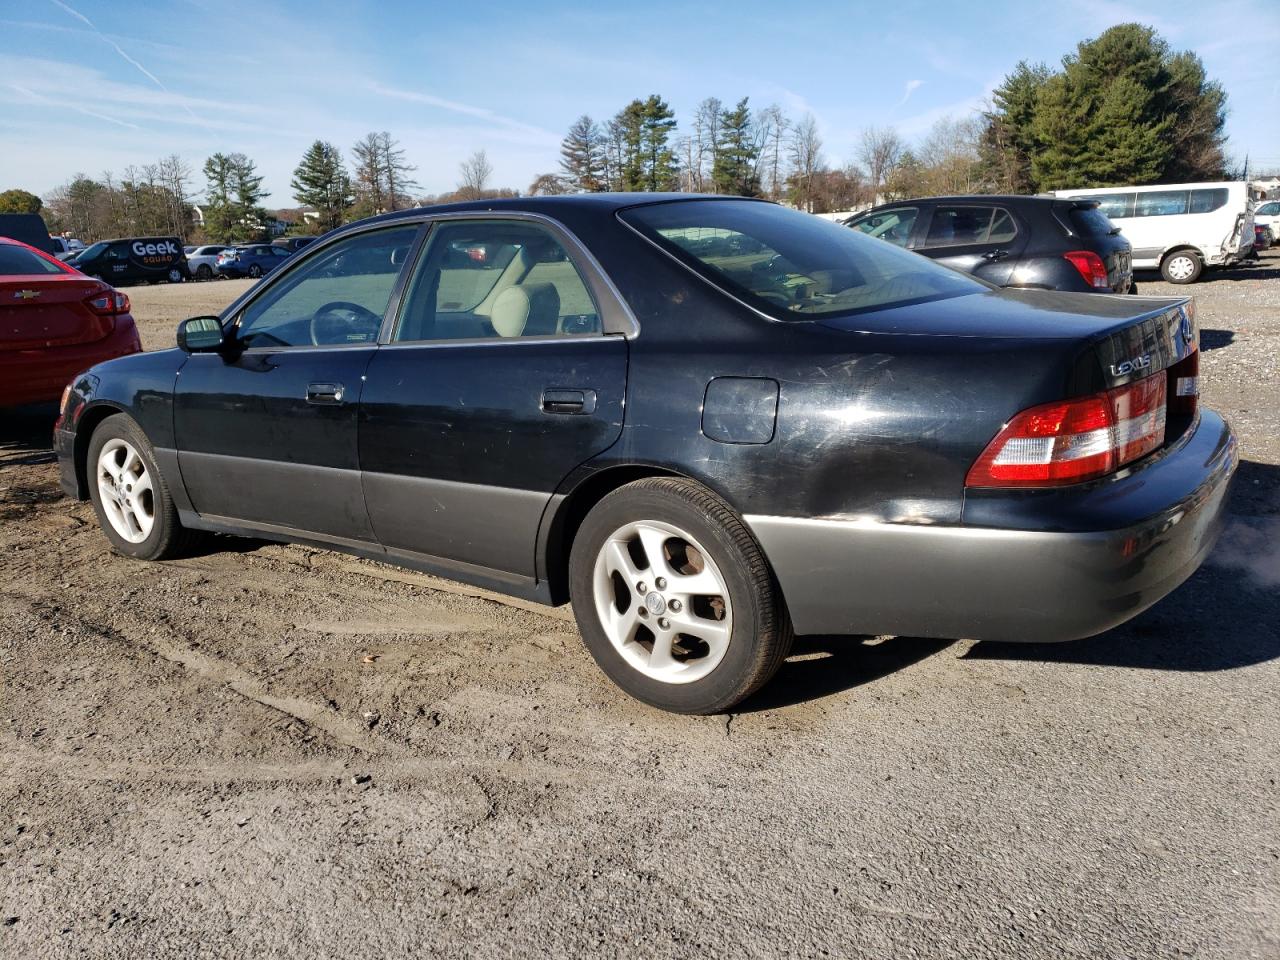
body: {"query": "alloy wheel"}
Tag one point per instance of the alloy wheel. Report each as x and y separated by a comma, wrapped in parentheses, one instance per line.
(662, 601)
(125, 488)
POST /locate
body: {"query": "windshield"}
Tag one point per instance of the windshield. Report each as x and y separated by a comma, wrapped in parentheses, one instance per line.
(792, 265)
(93, 251)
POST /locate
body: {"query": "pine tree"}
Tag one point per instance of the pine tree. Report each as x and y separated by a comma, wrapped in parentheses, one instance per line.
(321, 181)
(734, 169)
(219, 212)
(247, 196)
(659, 169)
(582, 156)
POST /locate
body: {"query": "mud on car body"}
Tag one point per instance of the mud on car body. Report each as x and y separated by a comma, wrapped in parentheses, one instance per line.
(708, 423)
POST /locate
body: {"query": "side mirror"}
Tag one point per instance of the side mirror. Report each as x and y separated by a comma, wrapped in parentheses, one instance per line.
(201, 335)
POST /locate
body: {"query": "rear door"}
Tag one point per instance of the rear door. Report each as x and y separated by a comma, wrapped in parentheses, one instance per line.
(499, 377)
(983, 240)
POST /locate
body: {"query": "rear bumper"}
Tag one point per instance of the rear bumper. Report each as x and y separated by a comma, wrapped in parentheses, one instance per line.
(38, 376)
(1012, 583)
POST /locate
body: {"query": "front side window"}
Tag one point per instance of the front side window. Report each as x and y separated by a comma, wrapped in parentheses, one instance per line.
(1161, 203)
(893, 225)
(483, 279)
(334, 298)
(792, 265)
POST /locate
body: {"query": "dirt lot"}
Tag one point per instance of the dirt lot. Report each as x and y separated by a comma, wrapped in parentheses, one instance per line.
(274, 751)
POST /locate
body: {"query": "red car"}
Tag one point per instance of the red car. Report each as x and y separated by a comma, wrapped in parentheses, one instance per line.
(54, 322)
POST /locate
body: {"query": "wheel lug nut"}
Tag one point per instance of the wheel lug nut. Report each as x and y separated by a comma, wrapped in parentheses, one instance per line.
(664, 623)
(674, 605)
(644, 614)
(641, 588)
(661, 583)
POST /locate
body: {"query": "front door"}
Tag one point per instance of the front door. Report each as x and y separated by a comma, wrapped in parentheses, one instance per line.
(267, 432)
(499, 379)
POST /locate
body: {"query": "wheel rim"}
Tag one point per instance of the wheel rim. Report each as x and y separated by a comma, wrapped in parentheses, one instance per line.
(1180, 268)
(255, 271)
(662, 602)
(175, 276)
(126, 491)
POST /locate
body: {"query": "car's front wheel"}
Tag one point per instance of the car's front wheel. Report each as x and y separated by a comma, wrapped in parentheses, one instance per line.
(204, 272)
(674, 598)
(130, 496)
(255, 271)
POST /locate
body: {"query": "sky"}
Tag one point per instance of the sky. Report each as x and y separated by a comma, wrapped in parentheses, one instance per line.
(95, 85)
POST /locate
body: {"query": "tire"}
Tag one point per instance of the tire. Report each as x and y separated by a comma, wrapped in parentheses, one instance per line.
(255, 271)
(737, 629)
(204, 272)
(175, 275)
(1181, 266)
(145, 530)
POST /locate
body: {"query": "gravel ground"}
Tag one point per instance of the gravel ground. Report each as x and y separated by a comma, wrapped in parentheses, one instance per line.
(275, 751)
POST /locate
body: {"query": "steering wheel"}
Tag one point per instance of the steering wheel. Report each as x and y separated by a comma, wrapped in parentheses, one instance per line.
(341, 321)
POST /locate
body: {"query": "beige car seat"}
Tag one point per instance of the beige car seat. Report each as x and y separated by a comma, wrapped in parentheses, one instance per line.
(529, 310)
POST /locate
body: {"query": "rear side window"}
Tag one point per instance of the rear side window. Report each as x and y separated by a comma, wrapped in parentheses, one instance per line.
(1090, 222)
(1161, 203)
(792, 265)
(1208, 200)
(20, 262)
(955, 225)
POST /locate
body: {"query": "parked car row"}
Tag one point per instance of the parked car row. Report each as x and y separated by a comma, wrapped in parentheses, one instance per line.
(1104, 234)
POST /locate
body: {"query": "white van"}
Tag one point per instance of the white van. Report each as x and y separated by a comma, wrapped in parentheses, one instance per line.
(1181, 228)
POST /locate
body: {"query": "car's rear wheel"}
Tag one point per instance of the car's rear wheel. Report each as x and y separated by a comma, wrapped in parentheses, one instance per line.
(1181, 266)
(204, 272)
(674, 598)
(175, 275)
(129, 494)
(255, 271)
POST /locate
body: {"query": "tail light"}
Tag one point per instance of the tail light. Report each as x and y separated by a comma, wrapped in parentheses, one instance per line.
(1075, 440)
(1184, 385)
(1090, 266)
(109, 303)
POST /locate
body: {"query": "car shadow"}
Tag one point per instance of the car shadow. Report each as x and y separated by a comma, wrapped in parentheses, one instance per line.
(820, 666)
(1216, 339)
(26, 438)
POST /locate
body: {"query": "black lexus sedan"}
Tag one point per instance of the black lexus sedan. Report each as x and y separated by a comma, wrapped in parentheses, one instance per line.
(709, 423)
(1031, 242)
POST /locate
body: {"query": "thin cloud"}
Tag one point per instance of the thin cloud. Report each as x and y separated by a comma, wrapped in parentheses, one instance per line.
(117, 48)
(911, 87)
(465, 109)
(39, 98)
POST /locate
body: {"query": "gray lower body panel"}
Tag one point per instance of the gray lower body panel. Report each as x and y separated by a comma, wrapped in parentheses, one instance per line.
(982, 583)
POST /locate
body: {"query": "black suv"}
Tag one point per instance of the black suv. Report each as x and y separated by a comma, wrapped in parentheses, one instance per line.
(1042, 242)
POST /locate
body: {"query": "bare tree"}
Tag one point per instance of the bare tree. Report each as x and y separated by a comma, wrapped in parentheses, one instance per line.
(368, 179)
(549, 185)
(474, 173)
(805, 149)
(950, 158)
(397, 173)
(879, 150)
(771, 127)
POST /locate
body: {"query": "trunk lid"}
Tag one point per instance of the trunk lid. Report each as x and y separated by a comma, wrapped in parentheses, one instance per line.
(50, 310)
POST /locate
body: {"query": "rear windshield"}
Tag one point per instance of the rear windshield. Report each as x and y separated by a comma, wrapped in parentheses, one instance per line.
(20, 262)
(791, 265)
(1091, 222)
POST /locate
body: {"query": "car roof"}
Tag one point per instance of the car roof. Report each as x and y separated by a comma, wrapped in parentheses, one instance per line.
(553, 205)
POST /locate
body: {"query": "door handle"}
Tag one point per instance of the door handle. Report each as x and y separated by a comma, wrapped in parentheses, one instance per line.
(569, 401)
(330, 393)
(994, 255)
